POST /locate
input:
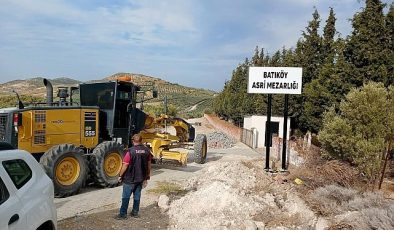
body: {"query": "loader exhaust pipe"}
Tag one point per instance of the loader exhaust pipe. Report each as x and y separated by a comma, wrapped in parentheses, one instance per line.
(49, 87)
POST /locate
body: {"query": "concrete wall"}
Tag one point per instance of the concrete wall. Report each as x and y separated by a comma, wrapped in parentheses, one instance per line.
(258, 123)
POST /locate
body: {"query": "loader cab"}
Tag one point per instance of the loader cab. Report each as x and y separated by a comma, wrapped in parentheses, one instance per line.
(113, 99)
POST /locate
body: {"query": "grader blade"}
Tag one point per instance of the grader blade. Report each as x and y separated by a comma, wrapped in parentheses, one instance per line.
(181, 157)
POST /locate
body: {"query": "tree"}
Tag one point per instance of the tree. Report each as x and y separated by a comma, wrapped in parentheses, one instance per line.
(327, 90)
(359, 133)
(256, 61)
(308, 55)
(390, 43)
(367, 48)
(264, 58)
(12, 100)
(234, 100)
(311, 49)
(329, 32)
(317, 94)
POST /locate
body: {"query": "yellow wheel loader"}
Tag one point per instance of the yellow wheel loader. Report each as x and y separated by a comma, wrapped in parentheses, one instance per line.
(84, 135)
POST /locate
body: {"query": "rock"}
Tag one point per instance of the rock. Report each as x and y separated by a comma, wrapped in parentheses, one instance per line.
(250, 225)
(321, 224)
(269, 199)
(260, 225)
(163, 202)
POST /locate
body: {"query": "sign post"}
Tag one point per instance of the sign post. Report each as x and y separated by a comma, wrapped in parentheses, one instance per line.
(275, 80)
(284, 143)
(268, 138)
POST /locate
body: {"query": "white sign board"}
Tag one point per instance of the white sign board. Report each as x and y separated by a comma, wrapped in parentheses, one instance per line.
(275, 80)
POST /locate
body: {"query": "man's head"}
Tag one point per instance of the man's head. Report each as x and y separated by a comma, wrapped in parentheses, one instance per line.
(137, 139)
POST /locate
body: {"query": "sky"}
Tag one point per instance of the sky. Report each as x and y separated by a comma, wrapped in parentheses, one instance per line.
(195, 43)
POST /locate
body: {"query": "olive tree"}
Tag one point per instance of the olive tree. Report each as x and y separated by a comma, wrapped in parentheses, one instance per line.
(361, 130)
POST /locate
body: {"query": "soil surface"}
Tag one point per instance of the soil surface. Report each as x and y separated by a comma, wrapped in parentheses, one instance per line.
(150, 218)
(95, 208)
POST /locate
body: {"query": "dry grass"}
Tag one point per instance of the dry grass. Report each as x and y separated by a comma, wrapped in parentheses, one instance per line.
(329, 172)
(275, 219)
(367, 200)
(352, 209)
(248, 164)
(329, 200)
(168, 188)
(317, 172)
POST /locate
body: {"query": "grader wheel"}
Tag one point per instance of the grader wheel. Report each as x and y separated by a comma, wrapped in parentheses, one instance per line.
(200, 149)
(67, 167)
(107, 163)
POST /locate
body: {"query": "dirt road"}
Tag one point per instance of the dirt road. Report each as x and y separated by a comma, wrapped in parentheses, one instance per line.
(95, 208)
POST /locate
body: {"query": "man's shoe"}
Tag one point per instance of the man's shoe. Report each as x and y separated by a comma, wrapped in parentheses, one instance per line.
(135, 215)
(120, 217)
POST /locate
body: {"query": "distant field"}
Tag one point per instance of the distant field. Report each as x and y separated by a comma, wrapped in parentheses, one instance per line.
(178, 96)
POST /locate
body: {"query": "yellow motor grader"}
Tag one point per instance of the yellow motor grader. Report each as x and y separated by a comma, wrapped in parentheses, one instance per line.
(85, 134)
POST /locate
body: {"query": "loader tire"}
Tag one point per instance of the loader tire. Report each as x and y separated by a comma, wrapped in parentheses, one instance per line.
(200, 149)
(106, 163)
(67, 167)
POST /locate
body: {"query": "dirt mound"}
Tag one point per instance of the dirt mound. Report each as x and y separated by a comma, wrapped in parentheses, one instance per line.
(230, 194)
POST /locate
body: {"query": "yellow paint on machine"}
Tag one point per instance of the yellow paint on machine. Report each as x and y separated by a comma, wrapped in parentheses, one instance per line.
(43, 128)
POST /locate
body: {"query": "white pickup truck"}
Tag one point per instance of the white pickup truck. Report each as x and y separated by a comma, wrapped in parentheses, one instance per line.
(26, 192)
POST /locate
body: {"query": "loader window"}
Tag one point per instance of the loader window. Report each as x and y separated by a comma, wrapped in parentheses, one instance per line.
(106, 100)
(121, 117)
(124, 95)
(101, 95)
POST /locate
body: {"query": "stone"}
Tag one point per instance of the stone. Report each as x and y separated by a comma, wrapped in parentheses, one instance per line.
(260, 225)
(250, 225)
(163, 202)
(321, 224)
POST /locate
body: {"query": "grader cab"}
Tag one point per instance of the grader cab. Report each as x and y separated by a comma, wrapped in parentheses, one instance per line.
(84, 135)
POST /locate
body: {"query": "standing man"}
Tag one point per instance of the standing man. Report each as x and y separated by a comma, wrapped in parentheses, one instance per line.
(134, 174)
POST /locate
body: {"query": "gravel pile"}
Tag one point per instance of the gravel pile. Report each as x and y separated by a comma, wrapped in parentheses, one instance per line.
(218, 140)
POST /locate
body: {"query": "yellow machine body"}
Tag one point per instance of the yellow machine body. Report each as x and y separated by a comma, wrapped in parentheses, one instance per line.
(162, 142)
(43, 128)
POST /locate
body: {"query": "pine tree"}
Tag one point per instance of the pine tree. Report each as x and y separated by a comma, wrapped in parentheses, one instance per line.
(256, 57)
(311, 49)
(317, 94)
(263, 58)
(329, 32)
(390, 43)
(308, 55)
(327, 90)
(367, 46)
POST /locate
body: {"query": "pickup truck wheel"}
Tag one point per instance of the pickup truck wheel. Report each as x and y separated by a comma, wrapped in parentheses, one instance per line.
(67, 167)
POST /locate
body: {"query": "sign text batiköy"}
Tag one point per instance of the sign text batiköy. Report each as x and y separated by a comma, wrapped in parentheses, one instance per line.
(275, 80)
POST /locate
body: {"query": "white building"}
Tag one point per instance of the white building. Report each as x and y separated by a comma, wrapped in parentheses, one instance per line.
(257, 125)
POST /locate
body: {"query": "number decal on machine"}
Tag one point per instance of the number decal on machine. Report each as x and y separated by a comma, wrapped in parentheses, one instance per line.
(90, 124)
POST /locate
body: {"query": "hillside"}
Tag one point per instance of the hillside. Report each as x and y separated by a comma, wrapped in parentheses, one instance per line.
(181, 97)
(34, 86)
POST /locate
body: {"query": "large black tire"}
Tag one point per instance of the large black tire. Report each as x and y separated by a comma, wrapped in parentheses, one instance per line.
(106, 163)
(67, 167)
(200, 149)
